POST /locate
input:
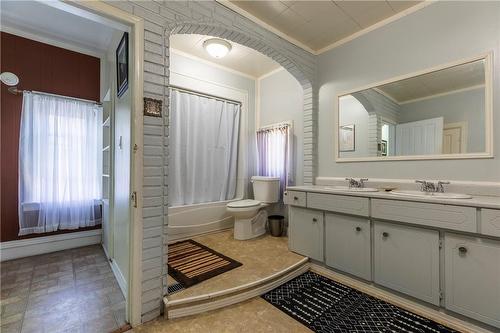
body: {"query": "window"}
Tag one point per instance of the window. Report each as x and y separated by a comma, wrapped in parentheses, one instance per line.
(60, 163)
(274, 151)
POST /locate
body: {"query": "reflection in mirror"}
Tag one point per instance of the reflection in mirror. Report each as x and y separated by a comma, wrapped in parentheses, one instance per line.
(441, 112)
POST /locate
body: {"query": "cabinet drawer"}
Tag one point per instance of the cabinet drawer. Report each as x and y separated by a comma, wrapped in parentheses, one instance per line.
(433, 215)
(406, 259)
(338, 203)
(295, 198)
(490, 222)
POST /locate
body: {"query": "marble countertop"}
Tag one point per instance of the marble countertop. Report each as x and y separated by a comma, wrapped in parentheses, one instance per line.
(476, 201)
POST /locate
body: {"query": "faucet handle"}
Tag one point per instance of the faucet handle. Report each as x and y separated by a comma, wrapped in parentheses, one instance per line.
(440, 187)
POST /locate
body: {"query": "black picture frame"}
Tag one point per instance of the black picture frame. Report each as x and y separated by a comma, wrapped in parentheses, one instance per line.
(122, 66)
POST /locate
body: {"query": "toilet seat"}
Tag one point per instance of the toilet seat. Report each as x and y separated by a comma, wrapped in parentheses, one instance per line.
(247, 203)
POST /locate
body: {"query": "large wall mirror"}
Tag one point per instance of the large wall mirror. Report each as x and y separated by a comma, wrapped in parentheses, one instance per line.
(442, 113)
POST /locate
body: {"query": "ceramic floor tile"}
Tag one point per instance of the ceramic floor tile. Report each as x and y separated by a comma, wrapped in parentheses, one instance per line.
(254, 315)
(68, 291)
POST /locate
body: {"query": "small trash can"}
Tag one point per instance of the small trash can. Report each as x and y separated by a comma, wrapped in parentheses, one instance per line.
(276, 225)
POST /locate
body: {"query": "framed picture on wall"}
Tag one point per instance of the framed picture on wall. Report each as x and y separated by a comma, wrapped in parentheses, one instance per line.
(383, 148)
(122, 66)
(347, 138)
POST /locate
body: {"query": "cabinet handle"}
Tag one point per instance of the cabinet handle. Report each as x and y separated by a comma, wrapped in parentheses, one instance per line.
(385, 234)
(462, 250)
(358, 229)
(315, 219)
(295, 198)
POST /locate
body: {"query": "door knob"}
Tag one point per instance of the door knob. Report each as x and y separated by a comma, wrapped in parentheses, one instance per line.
(385, 234)
(315, 219)
(358, 229)
(462, 250)
(295, 198)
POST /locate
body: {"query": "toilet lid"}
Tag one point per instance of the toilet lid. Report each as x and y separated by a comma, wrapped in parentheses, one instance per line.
(243, 203)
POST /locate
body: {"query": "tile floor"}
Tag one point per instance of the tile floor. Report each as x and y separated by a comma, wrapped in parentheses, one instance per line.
(66, 291)
(254, 315)
(261, 257)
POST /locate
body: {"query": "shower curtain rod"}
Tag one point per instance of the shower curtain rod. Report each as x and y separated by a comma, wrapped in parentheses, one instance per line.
(17, 91)
(189, 91)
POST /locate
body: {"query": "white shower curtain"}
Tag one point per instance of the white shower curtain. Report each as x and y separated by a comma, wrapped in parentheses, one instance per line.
(203, 149)
(60, 164)
(273, 148)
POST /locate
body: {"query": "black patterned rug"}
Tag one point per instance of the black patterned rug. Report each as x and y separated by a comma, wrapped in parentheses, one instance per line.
(324, 305)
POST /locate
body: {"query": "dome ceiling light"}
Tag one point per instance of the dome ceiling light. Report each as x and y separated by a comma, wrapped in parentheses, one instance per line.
(216, 47)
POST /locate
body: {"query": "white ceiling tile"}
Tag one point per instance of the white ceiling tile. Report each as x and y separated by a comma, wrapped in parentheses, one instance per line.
(264, 10)
(400, 5)
(318, 24)
(317, 10)
(288, 21)
(366, 13)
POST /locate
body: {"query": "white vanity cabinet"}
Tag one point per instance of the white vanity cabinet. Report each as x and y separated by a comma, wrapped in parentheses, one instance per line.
(305, 232)
(406, 259)
(347, 244)
(472, 277)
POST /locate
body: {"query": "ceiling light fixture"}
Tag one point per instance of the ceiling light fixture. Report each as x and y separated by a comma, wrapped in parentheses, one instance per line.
(216, 47)
(9, 79)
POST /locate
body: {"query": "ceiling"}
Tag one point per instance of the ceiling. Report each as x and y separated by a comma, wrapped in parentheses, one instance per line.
(37, 18)
(318, 24)
(447, 80)
(241, 58)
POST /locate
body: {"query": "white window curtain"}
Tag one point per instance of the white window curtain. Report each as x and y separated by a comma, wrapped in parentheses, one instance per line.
(274, 152)
(60, 164)
(203, 148)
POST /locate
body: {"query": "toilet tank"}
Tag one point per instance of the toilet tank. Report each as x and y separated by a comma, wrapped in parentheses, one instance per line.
(266, 189)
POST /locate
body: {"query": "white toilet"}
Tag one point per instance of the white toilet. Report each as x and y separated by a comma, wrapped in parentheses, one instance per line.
(249, 215)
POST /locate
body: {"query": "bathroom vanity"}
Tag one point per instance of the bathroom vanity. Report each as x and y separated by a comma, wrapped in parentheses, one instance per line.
(445, 252)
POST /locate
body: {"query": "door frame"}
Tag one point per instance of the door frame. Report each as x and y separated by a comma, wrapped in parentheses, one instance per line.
(136, 25)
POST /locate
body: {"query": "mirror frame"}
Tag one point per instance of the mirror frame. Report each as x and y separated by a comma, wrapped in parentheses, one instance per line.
(488, 84)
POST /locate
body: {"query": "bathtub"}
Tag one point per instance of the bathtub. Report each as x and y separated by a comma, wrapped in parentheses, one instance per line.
(191, 220)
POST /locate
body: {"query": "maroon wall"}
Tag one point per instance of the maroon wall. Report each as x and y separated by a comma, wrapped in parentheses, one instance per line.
(44, 68)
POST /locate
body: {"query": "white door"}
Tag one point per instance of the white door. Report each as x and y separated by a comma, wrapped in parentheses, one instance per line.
(455, 138)
(121, 195)
(472, 277)
(406, 259)
(305, 234)
(423, 137)
(347, 244)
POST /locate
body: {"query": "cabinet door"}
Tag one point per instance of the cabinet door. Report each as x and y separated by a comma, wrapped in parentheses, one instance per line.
(347, 244)
(306, 232)
(472, 277)
(407, 260)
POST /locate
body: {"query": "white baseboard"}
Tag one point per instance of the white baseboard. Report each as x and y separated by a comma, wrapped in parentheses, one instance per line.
(119, 277)
(40, 245)
(117, 272)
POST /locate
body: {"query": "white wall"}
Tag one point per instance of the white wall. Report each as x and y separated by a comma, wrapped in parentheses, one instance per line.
(354, 113)
(437, 34)
(281, 99)
(467, 106)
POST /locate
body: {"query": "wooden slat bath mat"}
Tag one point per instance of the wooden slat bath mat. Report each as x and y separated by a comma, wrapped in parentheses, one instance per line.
(190, 262)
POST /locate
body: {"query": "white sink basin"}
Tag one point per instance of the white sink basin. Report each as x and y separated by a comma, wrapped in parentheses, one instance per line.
(432, 195)
(352, 189)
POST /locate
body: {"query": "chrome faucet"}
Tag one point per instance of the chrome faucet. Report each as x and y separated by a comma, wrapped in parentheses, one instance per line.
(356, 183)
(430, 187)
